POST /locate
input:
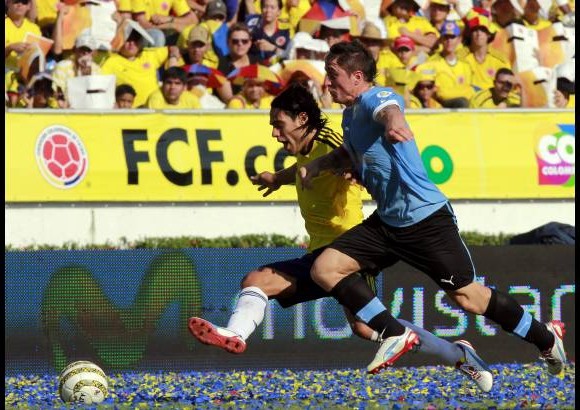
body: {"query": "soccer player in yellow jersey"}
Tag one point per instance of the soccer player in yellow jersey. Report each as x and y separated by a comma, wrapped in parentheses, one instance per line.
(332, 207)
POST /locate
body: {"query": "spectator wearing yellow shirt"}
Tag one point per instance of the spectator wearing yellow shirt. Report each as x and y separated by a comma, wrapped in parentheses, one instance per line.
(163, 19)
(438, 12)
(16, 25)
(173, 93)
(138, 66)
(501, 95)
(532, 17)
(423, 94)
(402, 20)
(253, 96)
(452, 76)
(399, 75)
(375, 40)
(481, 57)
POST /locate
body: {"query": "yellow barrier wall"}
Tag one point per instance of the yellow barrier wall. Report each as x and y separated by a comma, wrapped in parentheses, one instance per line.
(208, 157)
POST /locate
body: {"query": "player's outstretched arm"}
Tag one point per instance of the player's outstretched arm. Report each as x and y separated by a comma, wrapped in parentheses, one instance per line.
(396, 127)
(273, 181)
(338, 159)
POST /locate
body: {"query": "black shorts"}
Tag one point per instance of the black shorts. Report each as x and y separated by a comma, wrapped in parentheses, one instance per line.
(432, 245)
(306, 288)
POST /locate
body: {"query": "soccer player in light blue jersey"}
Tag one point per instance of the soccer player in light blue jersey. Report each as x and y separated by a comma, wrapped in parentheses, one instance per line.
(413, 219)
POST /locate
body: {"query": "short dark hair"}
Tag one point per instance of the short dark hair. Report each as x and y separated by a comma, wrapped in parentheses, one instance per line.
(239, 26)
(503, 70)
(353, 56)
(124, 89)
(174, 72)
(295, 99)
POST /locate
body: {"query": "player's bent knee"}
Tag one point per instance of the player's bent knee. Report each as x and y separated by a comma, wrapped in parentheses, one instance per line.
(272, 283)
(258, 278)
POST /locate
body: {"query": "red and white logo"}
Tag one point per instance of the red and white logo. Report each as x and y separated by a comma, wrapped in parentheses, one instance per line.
(61, 157)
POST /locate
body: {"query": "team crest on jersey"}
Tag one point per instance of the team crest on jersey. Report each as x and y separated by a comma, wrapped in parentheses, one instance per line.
(384, 94)
(280, 41)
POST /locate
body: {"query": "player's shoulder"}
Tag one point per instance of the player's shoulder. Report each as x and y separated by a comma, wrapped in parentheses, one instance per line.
(329, 137)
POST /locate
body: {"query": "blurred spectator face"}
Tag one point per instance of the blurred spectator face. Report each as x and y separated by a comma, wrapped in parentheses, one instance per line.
(450, 43)
(479, 36)
(41, 92)
(486, 4)
(503, 12)
(132, 46)
(425, 90)
(270, 10)
(332, 36)
(18, 8)
(373, 45)
(196, 51)
(503, 84)
(438, 12)
(404, 54)
(125, 100)
(172, 89)
(239, 43)
(531, 10)
(402, 9)
(253, 90)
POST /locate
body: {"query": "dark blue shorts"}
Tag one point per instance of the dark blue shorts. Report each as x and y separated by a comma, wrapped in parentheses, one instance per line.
(432, 245)
(306, 288)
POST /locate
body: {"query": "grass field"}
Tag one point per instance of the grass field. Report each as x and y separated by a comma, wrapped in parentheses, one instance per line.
(430, 387)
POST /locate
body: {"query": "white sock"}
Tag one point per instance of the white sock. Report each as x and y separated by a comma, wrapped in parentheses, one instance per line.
(249, 311)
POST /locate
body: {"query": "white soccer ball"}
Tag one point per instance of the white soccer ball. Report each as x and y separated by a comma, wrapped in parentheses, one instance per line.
(82, 382)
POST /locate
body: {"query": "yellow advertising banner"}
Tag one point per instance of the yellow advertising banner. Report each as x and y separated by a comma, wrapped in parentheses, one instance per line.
(195, 156)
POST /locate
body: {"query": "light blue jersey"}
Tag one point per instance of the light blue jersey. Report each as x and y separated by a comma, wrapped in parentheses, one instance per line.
(393, 174)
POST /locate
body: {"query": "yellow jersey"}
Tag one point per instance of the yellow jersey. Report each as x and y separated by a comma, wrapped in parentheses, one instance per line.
(483, 99)
(140, 73)
(14, 34)
(416, 24)
(161, 7)
(484, 72)
(187, 100)
(452, 80)
(239, 102)
(333, 205)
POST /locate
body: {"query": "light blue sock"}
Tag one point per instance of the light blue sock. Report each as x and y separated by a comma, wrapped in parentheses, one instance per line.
(435, 346)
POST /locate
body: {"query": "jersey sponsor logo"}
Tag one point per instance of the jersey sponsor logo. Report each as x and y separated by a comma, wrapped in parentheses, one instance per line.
(61, 156)
(555, 156)
(384, 94)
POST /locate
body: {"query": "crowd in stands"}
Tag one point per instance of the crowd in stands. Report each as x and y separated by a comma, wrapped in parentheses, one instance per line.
(237, 54)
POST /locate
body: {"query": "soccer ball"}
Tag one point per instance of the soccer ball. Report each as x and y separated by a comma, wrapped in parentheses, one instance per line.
(82, 382)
